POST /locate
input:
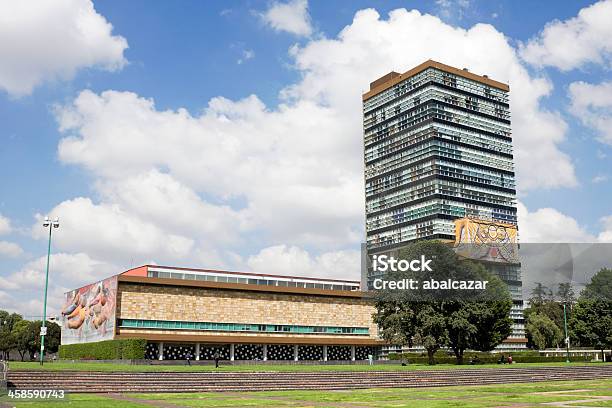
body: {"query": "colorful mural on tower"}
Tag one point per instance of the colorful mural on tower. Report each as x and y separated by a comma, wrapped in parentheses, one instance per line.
(88, 313)
(486, 241)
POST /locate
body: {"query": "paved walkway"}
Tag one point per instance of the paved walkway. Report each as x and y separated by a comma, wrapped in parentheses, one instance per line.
(572, 404)
(153, 403)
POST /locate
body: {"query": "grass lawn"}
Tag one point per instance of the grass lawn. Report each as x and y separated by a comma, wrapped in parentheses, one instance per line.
(84, 366)
(594, 393)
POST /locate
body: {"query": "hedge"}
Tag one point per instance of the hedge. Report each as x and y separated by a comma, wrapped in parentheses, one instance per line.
(483, 357)
(129, 349)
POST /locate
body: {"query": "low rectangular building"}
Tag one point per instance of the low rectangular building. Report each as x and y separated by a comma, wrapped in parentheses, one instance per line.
(243, 316)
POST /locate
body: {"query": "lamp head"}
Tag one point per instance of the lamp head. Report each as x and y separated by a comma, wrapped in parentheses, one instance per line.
(56, 222)
(46, 222)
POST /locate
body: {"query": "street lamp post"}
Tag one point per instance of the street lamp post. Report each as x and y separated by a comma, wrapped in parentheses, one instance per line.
(567, 353)
(43, 329)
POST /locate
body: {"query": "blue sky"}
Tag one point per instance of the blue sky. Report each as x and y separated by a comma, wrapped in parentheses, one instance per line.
(103, 127)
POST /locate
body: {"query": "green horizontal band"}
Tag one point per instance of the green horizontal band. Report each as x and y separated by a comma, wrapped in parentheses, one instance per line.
(239, 327)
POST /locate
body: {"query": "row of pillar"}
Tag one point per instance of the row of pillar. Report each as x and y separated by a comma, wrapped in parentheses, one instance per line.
(265, 352)
(197, 351)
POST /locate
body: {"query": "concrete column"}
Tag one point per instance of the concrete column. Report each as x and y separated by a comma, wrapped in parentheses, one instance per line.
(295, 352)
(197, 352)
(265, 352)
(231, 352)
(160, 349)
(352, 353)
(325, 353)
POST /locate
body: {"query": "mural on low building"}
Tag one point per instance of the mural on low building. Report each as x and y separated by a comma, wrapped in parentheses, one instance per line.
(88, 313)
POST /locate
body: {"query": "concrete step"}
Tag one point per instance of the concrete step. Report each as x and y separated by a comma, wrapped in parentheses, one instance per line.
(81, 381)
(228, 376)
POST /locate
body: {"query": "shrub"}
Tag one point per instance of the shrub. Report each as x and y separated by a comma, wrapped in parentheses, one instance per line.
(129, 349)
(134, 349)
(442, 357)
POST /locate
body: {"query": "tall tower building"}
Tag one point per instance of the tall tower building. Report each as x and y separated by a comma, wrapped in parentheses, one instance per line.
(438, 159)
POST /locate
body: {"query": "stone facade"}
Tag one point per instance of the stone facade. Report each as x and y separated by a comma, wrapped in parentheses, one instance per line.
(161, 302)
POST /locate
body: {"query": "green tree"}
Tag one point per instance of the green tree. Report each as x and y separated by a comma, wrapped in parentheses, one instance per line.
(396, 321)
(591, 321)
(459, 319)
(540, 294)
(493, 321)
(9, 319)
(461, 328)
(600, 286)
(20, 333)
(402, 315)
(431, 331)
(52, 339)
(542, 302)
(479, 323)
(33, 338)
(565, 293)
(7, 340)
(542, 332)
(406, 323)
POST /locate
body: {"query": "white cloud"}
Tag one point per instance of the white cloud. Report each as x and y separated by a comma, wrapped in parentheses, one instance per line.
(290, 163)
(66, 271)
(600, 178)
(10, 249)
(41, 41)
(106, 231)
(4, 299)
(31, 309)
(12, 305)
(5, 225)
(452, 9)
(213, 188)
(606, 234)
(291, 17)
(246, 55)
(286, 174)
(370, 47)
(291, 260)
(549, 225)
(29, 304)
(569, 44)
(296, 172)
(170, 205)
(592, 105)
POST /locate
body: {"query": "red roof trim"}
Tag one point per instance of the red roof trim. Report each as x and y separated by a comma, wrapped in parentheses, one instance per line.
(178, 268)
